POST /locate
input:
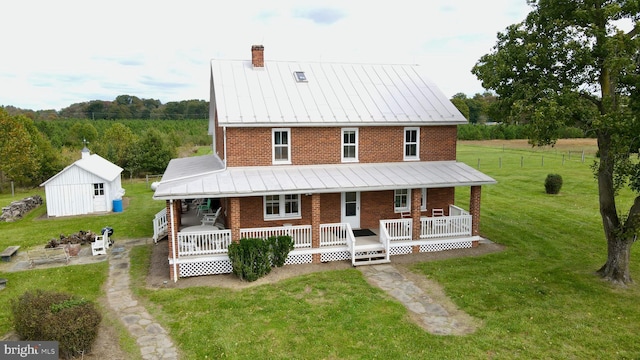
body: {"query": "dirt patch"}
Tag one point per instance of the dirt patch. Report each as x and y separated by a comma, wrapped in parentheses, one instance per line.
(588, 145)
(158, 276)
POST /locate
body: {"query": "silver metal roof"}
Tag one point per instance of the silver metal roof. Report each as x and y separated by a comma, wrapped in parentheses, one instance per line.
(94, 164)
(334, 94)
(215, 181)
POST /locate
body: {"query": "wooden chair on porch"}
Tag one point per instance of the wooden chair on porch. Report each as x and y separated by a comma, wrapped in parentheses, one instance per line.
(202, 208)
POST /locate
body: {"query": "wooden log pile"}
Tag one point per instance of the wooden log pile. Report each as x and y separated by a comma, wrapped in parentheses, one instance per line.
(81, 237)
(17, 209)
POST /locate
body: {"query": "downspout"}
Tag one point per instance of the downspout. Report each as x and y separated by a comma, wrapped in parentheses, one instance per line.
(175, 243)
(224, 144)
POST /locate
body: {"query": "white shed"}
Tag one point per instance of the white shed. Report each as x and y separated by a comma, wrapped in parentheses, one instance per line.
(87, 186)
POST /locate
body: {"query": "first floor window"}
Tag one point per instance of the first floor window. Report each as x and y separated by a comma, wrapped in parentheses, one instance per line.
(281, 206)
(98, 189)
(423, 200)
(401, 200)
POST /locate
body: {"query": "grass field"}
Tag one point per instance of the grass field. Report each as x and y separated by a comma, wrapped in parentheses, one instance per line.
(538, 299)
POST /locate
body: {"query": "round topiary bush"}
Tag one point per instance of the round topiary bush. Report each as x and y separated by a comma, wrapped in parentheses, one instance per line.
(553, 183)
(51, 316)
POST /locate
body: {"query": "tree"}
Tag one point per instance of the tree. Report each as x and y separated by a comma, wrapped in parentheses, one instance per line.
(570, 63)
(117, 141)
(150, 154)
(458, 100)
(19, 157)
(80, 132)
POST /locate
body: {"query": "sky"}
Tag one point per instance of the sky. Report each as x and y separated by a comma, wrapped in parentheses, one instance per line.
(57, 53)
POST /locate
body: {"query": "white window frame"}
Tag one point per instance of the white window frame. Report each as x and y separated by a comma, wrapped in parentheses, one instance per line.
(423, 200)
(98, 189)
(407, 195)
(407, 143)
(274, 145)
(343, 145)
(282, 202)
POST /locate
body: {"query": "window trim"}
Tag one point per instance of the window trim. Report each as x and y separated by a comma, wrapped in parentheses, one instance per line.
(423, 200)
(405, 144)
(273, 145)
(282, 202)
(397, 209)
(343, 144)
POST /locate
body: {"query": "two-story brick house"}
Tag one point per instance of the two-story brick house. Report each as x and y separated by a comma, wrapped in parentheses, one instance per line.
(318, 150)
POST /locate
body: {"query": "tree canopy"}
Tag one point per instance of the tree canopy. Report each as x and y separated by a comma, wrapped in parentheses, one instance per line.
(577, 63)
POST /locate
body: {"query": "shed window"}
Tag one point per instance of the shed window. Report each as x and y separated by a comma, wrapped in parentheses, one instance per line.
(98, 189)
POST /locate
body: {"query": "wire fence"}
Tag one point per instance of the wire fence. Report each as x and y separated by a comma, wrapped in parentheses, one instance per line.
(509, 158)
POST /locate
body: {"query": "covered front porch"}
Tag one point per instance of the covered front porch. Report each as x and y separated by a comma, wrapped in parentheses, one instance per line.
(201, 240)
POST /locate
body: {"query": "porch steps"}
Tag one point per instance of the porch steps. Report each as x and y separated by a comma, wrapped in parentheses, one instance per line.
(370, 255)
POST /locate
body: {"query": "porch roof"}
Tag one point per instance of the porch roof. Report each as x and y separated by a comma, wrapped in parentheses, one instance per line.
(206, 176)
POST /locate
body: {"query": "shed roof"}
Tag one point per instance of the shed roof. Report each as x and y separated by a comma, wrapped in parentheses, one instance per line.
(216, 181)
(332, 94)
(94, 164)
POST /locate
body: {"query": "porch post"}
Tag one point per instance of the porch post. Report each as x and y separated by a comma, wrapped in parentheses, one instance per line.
(474, 209)
(315, 226)
(416, 196)
(234, 218)
(172, 227)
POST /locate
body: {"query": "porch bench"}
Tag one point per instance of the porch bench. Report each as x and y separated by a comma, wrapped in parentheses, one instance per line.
(9, 252)
(43, 255)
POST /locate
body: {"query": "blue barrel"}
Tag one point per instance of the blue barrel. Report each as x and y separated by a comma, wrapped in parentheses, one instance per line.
(117, 205)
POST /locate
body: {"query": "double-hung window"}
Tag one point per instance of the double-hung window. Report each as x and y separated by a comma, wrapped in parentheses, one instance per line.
(401, 200)
(282, 206)
(423, 200)
(412, 143)
(349, 145)
(281, 146)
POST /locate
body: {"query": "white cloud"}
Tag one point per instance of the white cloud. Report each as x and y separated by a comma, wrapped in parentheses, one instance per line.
(67, 51)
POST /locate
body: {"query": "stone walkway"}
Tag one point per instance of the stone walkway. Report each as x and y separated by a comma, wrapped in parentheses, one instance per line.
(428, 313)
(151, 337)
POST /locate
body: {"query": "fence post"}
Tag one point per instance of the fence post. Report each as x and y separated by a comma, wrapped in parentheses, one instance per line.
(562, 159)
(478, 163)
(583, 155)
(542, 160)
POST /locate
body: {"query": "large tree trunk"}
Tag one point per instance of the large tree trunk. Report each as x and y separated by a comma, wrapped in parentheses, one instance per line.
(619, 236)
(616, 269)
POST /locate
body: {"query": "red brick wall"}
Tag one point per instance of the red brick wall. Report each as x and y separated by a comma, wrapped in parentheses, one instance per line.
(438, 143)
(253, 146)
(440, 198)
(376, 205)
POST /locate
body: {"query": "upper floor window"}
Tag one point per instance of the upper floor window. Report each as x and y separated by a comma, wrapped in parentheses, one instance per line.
(349, 145)
(282, 146)
(411, 143)
(98, 189)
(401, 200)
(282, 206)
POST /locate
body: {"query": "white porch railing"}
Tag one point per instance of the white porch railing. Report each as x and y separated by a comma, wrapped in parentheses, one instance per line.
(397, 229)
(334, 234)
(454, 211)
(445, 226)
(160, 225)
(301, 234)
(203, 242)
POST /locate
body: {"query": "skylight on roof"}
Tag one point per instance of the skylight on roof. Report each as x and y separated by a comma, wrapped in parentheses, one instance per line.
(300, 76)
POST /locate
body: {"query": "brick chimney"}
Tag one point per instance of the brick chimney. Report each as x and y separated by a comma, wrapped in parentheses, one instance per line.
(257, 55)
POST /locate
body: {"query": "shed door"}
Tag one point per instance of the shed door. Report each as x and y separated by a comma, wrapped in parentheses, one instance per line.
(351, 209)
(99, 200)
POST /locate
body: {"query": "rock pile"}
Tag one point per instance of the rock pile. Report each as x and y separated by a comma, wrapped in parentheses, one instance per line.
(17, 209)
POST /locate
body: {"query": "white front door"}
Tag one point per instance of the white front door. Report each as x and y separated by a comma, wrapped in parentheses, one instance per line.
(99, 199)
(351, 209)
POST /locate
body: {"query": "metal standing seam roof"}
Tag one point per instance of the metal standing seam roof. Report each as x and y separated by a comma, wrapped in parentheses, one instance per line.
(215, 181)
(94, 164)
(334, 94)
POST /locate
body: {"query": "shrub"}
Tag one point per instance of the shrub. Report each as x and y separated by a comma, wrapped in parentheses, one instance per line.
(250, 258)
(553, 183)
(280, 248)
(52, 316)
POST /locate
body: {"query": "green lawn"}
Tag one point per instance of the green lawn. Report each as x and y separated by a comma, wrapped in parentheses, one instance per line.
(538, 299)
